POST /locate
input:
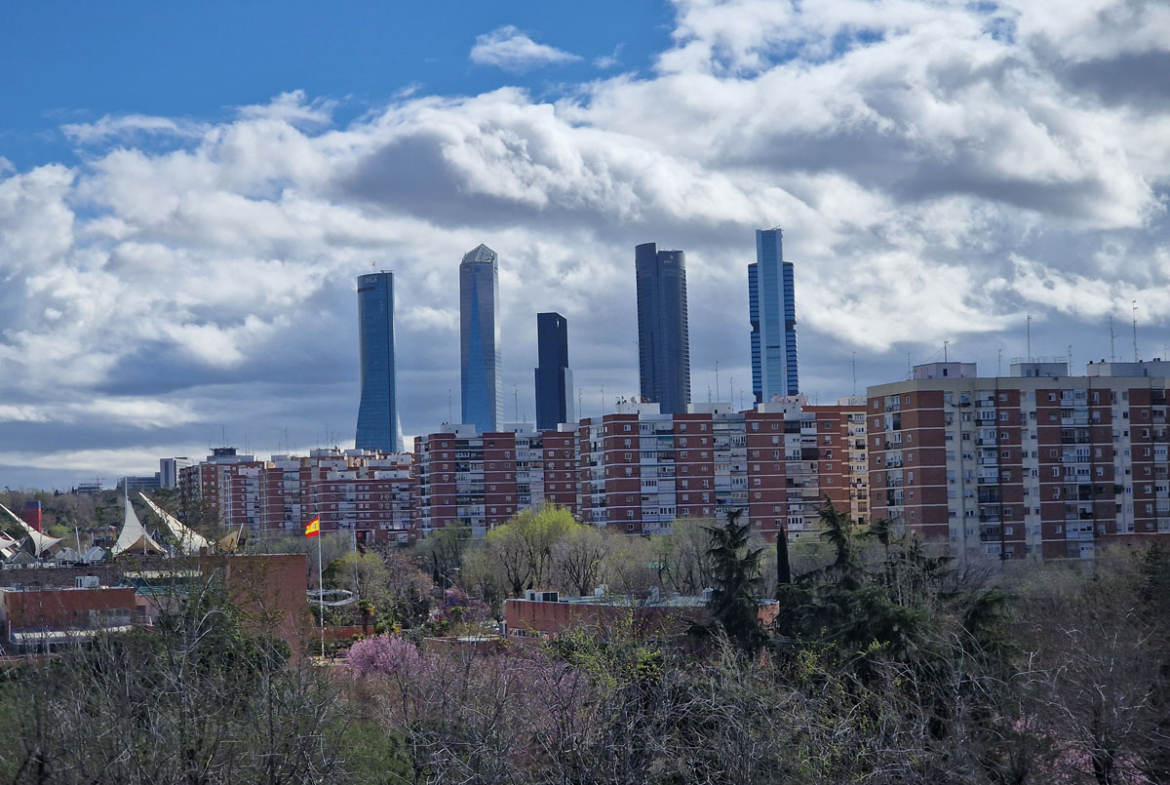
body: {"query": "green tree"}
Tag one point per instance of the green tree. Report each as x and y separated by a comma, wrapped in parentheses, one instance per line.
(736, 570)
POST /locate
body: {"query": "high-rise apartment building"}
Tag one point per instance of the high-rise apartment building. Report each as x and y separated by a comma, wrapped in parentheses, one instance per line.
(1035, 465)
(772, 307)
(554, 380)
(365, 492)
(378, 425)
(481, 392)
(482, 480)
(664, 349)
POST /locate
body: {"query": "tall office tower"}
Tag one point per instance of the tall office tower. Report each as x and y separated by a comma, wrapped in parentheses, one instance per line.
(664, 349)
(378, 425)
(481, 393)
(773, 319)
(554, 380)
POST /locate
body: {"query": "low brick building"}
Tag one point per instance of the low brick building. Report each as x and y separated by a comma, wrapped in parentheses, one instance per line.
(48, 619)
(545, 614)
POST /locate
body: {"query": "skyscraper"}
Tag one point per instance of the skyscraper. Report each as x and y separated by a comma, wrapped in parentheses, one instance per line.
(481, 393)
(378, 426)
(773, 319)
(554, 380)
(664, 349)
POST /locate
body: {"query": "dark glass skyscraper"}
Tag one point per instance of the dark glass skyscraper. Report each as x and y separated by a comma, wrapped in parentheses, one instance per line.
(481, 393)
(554, 380)
(378, 425)
(664, 348)
(773, 319)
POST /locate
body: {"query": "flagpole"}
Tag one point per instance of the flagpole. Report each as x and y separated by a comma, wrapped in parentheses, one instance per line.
(321, 593)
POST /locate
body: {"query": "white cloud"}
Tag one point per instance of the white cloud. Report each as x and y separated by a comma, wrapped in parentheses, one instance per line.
(606, 62)
(508, 48)
(936, 170)
(123, 126)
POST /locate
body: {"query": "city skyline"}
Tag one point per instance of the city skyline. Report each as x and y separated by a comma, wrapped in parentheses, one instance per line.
(180, 233)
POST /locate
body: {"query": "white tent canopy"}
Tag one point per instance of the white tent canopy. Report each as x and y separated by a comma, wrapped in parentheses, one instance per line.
(188, 541)
(133, 538)
(41, 544)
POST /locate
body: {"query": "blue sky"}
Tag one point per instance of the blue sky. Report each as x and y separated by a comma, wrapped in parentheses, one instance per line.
(77, 61)
(188, 191)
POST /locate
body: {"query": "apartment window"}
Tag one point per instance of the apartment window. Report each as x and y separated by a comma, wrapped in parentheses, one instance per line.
(1003, 416)
(1003, 396)
(626, 427)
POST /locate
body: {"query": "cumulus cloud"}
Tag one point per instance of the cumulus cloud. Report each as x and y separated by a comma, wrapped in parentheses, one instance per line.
(940, 169)
(508, 48)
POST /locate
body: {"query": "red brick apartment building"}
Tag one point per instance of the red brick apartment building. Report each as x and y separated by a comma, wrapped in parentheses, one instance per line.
(1038, 464)
(368, 493)
(482, 480)
(638, 470)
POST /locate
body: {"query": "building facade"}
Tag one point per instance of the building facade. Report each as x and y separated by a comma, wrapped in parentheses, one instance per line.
(664, 351)
(481, 389)
(365, 492)
(378, 423)
(1036, 465)
(481, 480)
(772, 313)
(554, 380)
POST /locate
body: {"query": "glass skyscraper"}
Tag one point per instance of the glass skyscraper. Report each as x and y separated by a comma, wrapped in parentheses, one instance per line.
(481, 393)
(664, 348)
(378, 426)
(772, 314)
(554, 380)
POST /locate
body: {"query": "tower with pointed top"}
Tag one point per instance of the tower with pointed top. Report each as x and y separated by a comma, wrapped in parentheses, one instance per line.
(481, 391)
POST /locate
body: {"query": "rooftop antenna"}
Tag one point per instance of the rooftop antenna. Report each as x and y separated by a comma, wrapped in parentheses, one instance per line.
(1029, 337)
(602, 412)
(1112, 336)
(945, 344)
(708, 393)
(999, 362)
(450, 414)
(731, 390)
(580, 408)
(716, 378)
(1070, 359)
(1136, 359)
(854, 373)
(909, 366)
(516, 402)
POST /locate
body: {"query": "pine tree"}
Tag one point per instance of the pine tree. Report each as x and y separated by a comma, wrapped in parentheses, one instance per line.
(734, 606)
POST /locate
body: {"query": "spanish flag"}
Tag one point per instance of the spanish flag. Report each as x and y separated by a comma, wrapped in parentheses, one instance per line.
(314, 527)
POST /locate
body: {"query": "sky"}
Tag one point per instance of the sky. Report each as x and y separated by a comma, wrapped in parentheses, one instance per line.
(188, 191)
